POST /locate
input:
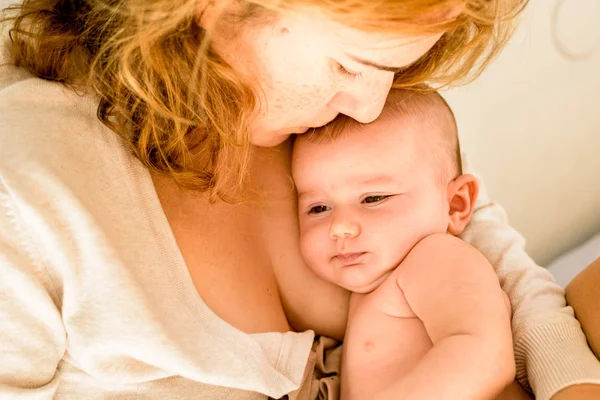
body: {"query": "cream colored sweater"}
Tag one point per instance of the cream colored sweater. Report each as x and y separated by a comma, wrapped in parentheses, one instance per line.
(96, 302)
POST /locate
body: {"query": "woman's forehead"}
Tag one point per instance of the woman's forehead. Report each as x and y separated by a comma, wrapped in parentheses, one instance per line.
(393, 50)
(347, 35)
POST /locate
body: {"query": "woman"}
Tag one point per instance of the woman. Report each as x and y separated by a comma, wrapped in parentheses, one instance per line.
(149, 239)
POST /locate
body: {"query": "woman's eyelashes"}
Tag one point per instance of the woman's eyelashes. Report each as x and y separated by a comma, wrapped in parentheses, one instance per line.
(346, 73)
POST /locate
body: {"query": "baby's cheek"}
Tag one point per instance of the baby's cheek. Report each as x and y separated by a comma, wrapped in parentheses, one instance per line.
(305, 244)
(312, 247)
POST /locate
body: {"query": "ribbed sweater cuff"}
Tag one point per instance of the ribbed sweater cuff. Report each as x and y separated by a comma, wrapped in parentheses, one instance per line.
(557, 356)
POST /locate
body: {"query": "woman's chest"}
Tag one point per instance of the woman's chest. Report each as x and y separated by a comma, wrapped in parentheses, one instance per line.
(231, 250)
(230, 262)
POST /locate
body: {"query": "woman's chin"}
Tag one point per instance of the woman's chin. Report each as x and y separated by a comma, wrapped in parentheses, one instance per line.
(270, 141)
(276, 138)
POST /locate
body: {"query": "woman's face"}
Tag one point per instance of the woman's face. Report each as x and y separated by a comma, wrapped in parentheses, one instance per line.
(310, 69)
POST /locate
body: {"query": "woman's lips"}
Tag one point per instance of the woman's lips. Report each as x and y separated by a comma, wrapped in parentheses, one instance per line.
(350, 258)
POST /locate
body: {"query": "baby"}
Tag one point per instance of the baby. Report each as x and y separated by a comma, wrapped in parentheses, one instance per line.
(379, 206)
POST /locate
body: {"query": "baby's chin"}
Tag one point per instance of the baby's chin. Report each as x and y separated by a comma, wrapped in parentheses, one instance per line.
(364, 286)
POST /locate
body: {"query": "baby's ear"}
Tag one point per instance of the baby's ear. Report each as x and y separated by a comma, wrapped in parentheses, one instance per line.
(462, 194)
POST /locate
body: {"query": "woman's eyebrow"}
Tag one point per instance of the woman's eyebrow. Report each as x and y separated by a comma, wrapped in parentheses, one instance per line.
(395, 70)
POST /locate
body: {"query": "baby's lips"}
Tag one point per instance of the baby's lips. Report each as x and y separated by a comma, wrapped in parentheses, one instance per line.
(350, 257)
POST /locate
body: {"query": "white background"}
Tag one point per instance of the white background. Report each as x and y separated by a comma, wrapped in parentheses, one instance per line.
(531, 126)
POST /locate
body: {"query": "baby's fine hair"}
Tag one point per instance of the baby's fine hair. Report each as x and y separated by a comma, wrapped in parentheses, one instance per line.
(426, 107)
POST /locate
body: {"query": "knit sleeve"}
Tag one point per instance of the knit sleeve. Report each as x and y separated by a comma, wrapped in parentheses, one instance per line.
(551, 351)
(32, 337)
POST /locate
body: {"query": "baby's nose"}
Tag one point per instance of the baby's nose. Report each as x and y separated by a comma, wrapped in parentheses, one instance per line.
(343, 229)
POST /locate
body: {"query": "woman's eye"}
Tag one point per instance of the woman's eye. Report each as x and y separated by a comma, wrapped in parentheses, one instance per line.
(347, 73)
(374, 199)
(318, 209)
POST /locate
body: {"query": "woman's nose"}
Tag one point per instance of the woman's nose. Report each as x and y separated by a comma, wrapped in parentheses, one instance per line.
(363, 101)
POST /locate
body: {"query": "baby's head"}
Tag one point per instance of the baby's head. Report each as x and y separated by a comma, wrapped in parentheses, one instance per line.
(367, 193)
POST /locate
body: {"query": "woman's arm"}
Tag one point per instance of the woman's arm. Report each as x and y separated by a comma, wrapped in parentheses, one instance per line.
(583, 295)
(32, 338)
(551, 351)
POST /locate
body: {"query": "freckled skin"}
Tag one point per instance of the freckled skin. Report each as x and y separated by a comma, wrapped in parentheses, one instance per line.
(296, 65)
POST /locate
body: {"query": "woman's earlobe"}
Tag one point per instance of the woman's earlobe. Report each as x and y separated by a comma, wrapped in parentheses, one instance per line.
(462, 195)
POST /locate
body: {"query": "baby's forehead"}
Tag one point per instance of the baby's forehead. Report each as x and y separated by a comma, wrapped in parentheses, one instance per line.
(429, 125)
(392, 133)
(362, 147)
(423, 120)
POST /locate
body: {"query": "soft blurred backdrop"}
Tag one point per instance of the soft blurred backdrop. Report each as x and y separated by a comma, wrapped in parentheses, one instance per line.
(531, 127)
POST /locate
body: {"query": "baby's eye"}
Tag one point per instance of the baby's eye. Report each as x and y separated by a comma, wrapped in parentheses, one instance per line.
(374, 199)
(318, 209)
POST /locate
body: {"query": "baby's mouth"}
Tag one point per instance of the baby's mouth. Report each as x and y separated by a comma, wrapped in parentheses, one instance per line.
(350, 258)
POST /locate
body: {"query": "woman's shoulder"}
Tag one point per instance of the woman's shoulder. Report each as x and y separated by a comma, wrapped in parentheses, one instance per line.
(57, 159)
(50, 128)
(72, 188)
(38, 115)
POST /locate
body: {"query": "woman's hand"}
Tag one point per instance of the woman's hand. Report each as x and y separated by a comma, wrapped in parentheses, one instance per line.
(586, 391)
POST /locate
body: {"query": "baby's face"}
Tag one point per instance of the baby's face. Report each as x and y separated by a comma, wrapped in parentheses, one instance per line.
(365, 200)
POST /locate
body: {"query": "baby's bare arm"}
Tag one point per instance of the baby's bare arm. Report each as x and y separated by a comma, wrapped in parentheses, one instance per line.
(453, 289)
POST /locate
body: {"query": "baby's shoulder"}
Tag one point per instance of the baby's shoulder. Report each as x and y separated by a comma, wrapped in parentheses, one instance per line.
(388, 298)
(438, 255)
